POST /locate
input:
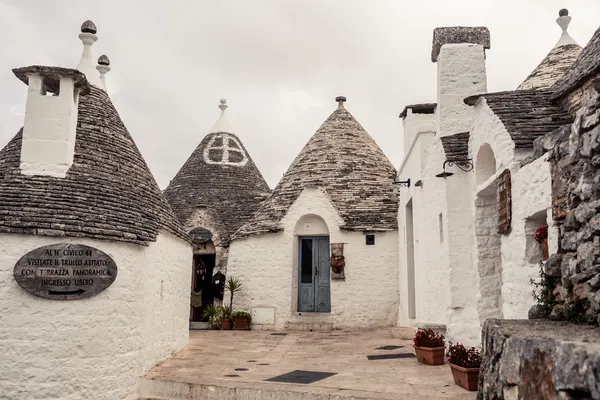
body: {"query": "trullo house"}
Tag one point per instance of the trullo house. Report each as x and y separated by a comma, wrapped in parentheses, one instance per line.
(216, 191)
(79, 207)
(482, 196)
(337, 198)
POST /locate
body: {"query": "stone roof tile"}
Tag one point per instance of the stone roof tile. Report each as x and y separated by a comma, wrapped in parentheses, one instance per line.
(108, 193)
(526, 114)
(342, 159)
(225, 180)
(456, 146)
(587, 64)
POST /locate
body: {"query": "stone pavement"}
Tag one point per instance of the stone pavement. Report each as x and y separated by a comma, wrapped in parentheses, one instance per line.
(235, 364)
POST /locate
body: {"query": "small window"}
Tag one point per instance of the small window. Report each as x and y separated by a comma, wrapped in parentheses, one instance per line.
(441, 220)
(370, 239)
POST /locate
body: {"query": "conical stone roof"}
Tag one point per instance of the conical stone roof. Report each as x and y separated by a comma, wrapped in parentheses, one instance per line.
(108, 193)
(557, 62)
(220, 176)
(343, 160)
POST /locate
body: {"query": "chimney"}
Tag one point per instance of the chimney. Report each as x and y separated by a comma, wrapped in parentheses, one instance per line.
(460, 56)
(48, 142)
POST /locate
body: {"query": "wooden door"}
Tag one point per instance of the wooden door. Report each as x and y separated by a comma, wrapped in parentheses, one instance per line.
(313, 274)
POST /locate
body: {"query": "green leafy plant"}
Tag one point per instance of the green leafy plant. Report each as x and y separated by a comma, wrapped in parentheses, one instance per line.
(543, 291)
(214, 315)
(232, 285)
(226, 312)
(242, 314)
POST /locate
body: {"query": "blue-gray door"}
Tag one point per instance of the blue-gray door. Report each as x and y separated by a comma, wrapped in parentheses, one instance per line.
(313, 274)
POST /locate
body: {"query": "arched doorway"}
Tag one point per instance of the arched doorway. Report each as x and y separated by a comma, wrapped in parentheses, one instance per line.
(313, 282)
(203, 288)
(488, 240)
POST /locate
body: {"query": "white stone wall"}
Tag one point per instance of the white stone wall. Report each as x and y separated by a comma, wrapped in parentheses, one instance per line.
(431, 250)
(267, 266)
(49, 129)
(507, 269)
(414, 124)
(460, 73)
(98, 347)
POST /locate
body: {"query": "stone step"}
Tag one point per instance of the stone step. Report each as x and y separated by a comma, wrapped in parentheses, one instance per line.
(198, 325)
(154, 389)
(309, 326)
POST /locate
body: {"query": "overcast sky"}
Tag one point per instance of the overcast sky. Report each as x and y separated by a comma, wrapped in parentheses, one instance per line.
(279, 63)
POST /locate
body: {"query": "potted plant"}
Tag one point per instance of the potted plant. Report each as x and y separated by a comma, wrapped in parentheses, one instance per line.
(429, 347)
(464, 364)
(233, 285)
(213, 313)
(241, 321)
(226, 323)
(541, 236)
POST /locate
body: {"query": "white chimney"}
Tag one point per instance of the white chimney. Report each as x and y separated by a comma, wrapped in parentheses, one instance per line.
(48, 143)
(460, 56)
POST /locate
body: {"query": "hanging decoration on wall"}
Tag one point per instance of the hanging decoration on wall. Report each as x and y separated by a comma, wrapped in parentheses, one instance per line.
(337, 261)
(504, 203)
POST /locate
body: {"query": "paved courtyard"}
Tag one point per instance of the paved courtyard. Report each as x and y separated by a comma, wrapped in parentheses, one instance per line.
(238, 365)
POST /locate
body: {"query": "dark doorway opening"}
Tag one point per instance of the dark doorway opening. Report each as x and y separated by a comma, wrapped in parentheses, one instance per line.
(204, 265)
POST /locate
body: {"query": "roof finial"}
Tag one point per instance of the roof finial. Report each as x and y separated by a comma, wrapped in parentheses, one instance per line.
(103, 67)
(222, 125)
(86, 64)
(340, 100)
(563, 21)
(223, 106)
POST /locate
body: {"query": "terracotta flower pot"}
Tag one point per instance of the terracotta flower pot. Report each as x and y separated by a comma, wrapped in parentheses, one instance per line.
(545, 254)
(226, 325)
(430, 355)
(241, 323)
(466, 378)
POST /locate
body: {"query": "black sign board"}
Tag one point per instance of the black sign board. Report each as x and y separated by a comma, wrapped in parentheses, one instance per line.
(200, 235)
(504, 202)
(65, 271)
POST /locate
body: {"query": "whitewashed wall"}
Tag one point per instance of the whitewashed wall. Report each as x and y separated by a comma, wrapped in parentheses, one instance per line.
(460, 73)
(531, 200)
(98, 347)
(267, 266)
(431, 251)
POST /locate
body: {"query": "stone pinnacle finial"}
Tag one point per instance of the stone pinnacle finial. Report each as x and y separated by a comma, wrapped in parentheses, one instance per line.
(563, 21)
(340, 100)
(223, 106)
(88, 27)
(86, 64)
(103, 67)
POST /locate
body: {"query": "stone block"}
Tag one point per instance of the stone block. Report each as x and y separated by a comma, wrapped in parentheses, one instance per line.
(585, 255)
(569, 241)
(591, 119)
(547, 359)
(584, 212)
(553, 265)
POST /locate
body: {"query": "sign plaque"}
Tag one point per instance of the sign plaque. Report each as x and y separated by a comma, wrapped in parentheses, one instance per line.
(504, 202)
(200, 236)
(65, 271)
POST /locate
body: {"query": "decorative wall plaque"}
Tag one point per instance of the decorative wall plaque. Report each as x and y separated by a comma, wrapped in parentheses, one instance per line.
(504, 202)
(200, 235)
(65, 271)
(337, 261)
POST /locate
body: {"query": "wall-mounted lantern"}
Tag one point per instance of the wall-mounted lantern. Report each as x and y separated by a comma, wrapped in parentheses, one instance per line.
(405, 183)
(465, 165)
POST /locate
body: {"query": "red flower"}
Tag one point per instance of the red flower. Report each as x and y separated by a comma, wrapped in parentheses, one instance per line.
(541, 234)
(428, 338)
(463, 357)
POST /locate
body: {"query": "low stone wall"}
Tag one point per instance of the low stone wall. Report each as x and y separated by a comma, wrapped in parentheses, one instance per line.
(539, 360)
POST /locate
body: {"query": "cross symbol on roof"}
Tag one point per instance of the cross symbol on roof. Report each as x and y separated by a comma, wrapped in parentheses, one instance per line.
(225, 149)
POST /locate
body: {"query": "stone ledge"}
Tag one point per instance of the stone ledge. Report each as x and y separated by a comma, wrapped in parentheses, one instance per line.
(527, 359)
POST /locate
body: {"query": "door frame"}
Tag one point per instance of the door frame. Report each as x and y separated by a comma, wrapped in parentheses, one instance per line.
(298, 267)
